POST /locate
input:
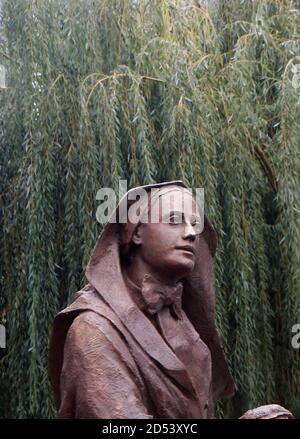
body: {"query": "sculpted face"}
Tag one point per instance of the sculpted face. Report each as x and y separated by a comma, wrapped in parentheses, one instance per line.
(167, 247)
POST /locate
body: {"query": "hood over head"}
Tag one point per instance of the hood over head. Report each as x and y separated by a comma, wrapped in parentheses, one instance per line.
(104, 272)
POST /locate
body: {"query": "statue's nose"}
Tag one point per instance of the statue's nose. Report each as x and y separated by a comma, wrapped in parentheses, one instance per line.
(189, 232)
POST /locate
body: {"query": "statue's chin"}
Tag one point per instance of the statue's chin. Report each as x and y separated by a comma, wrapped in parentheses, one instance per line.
(180, 268)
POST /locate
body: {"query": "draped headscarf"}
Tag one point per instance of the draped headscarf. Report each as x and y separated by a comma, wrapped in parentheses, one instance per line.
(198, 300)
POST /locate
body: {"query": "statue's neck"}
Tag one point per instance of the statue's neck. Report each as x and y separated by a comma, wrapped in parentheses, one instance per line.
(138, 268)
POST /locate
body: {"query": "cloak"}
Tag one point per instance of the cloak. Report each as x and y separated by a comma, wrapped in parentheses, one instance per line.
(108, 360)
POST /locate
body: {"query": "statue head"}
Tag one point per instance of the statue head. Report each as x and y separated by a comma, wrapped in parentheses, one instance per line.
(165, 240)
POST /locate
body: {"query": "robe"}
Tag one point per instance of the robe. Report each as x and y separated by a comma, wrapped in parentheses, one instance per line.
(101, 370)
(107, 359)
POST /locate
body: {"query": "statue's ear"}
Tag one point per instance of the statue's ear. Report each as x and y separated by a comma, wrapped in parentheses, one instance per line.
(137, 235)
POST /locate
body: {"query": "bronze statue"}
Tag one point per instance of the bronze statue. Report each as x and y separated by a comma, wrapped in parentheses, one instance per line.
(139, 341)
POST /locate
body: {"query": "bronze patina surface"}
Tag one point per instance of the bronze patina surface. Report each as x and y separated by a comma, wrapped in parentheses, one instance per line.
(140, 341)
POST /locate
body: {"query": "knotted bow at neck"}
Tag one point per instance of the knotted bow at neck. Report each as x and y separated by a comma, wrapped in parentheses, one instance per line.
(157, 295)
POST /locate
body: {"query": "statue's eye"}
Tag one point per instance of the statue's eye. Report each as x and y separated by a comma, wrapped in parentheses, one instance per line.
(196, 224)
(175, 218)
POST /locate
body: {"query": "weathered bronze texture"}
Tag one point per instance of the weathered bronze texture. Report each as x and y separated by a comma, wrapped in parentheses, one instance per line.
(271, 411)
(140, 341)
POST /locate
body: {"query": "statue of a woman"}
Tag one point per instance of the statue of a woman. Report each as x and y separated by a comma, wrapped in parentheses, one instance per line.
(139, 341)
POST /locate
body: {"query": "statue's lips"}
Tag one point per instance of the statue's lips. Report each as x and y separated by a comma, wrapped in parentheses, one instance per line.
(187, 248)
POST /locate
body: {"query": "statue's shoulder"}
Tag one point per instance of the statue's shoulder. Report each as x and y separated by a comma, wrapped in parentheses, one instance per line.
(97, 325)
(85, 299)
(90, 327)
(89, 308)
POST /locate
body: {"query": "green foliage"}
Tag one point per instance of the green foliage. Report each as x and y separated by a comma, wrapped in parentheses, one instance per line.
(151, 91)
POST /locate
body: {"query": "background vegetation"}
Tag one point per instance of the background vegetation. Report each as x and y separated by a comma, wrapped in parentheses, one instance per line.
(151, 90)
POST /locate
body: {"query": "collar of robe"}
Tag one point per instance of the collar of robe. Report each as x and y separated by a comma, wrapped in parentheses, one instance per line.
(154, 295)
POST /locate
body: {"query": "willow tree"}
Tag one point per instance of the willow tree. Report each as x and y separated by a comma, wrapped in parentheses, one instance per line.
(151, 91)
